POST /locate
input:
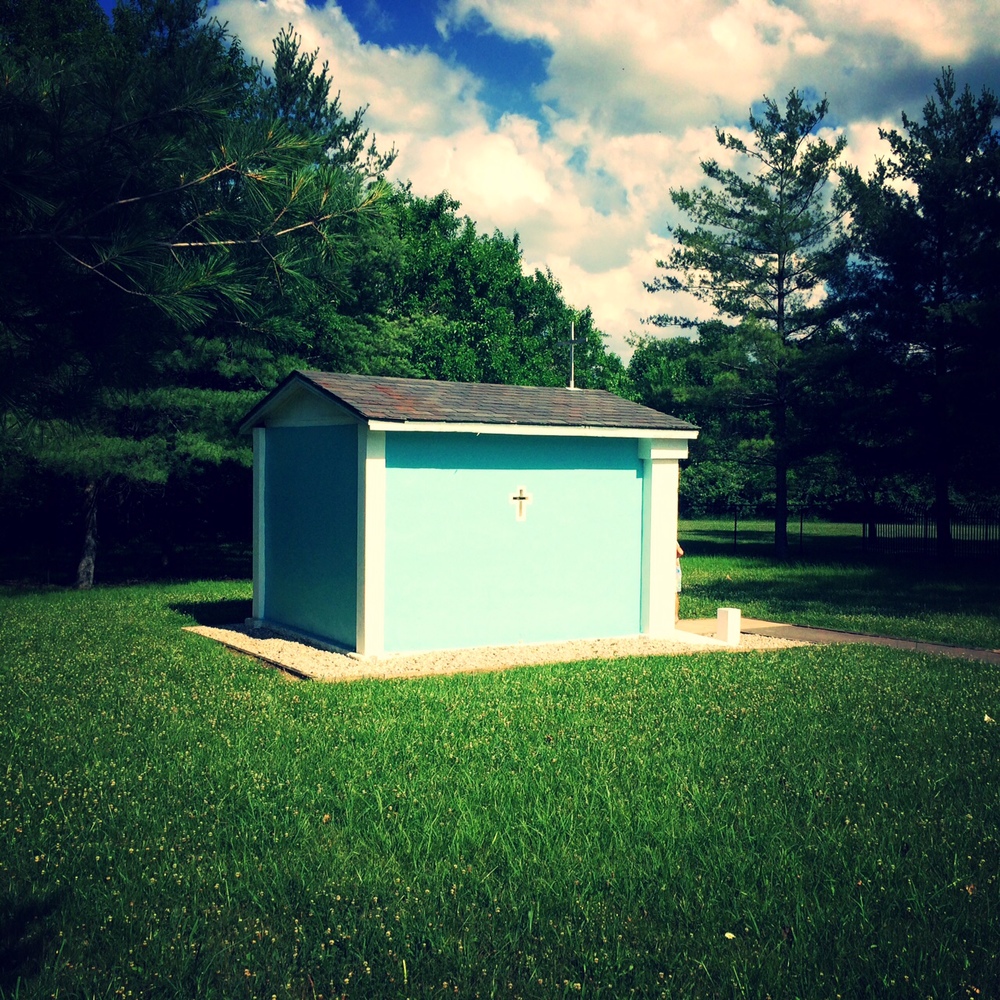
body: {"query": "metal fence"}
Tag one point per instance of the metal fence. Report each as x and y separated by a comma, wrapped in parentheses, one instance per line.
(975, 533)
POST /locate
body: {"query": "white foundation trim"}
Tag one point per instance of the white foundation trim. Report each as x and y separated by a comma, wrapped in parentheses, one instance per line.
(370, 630)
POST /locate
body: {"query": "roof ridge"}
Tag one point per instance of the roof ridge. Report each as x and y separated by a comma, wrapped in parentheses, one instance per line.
(392, 398)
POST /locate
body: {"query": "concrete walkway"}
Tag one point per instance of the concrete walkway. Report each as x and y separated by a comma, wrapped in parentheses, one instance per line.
(807, 633)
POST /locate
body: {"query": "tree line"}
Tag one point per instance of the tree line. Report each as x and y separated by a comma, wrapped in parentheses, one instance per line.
(852, 351)
(180, 228)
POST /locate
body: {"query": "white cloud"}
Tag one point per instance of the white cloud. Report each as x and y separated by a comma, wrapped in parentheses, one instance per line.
(647, 65)
(411, 93)
(494, 170)
(633, 90)
(941, 30)
(618, 298)
(864, 145)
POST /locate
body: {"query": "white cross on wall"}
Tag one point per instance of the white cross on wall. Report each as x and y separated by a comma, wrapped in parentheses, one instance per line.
(520, 499)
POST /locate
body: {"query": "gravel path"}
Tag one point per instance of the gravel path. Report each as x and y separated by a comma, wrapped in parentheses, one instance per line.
(306, 661)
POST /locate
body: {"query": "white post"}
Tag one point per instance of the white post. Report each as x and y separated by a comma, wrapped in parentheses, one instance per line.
(727, 627)
(259, 521)
(660, 482)
(370, 625)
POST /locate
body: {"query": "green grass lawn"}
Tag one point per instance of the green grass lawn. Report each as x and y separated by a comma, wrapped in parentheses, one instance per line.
(831, 585)
(178, 821)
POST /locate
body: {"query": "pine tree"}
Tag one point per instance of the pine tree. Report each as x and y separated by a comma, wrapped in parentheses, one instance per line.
(151, 212)
(764, 240)
(925, 291)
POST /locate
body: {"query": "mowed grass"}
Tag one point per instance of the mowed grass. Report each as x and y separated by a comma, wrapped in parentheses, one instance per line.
(178, 821)
(828, 583)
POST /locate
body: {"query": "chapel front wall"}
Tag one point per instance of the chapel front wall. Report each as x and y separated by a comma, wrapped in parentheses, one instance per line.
(462, 568)
(310, 532)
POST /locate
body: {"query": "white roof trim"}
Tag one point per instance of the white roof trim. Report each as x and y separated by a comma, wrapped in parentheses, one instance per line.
(531, 430)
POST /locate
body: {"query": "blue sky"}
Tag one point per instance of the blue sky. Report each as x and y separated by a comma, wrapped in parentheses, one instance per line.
(568, 121)
(509, 69)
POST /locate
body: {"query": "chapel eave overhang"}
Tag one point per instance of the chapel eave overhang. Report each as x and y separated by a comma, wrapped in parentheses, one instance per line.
(529, 430)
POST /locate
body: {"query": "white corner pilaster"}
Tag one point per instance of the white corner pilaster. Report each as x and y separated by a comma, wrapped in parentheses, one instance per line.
(660, 483)
(259, 521)
(370, 634)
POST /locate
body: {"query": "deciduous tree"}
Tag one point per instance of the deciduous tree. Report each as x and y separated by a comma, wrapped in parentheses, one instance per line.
(455, 304)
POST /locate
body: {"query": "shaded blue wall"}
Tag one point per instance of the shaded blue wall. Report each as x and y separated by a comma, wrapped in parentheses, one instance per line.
(461, 570)
(310, 530)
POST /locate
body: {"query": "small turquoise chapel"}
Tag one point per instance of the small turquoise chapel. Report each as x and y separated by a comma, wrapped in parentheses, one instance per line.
(398, 515)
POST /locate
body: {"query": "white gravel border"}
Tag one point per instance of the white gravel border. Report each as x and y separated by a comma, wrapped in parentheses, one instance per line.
(308, 662)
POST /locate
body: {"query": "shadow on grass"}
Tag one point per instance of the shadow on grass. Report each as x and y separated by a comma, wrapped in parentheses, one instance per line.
(805, 591)
(901, 591)
(215, 613)
(25, 933)
(817, 542)
(38, 567)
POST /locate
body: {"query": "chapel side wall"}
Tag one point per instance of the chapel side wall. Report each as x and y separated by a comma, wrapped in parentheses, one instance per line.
(463, 570)
(310, 535)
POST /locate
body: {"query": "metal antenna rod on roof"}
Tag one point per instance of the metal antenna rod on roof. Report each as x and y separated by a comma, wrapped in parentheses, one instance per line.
(572, 353)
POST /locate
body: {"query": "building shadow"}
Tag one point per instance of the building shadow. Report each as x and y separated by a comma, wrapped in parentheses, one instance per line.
(215, 613)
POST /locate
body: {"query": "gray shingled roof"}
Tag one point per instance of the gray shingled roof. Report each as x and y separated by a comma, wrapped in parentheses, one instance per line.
(404, 399)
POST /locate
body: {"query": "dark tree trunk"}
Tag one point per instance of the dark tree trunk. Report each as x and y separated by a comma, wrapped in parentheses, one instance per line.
(781, 510)
(870, 534)
(942, 515)
(85, 569)
(781, 472)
